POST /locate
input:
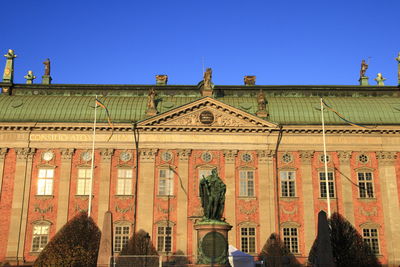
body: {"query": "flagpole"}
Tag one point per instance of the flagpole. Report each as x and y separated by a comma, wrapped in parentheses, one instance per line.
(92, 163)
(328, 200)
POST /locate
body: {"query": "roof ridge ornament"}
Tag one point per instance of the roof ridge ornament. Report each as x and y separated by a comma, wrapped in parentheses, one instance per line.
(207, 85)
(398, 69)
(262, 105)
(380, 79)
(46, 78)
(151, 103)
(363, 79)
(8, 75)
(29, 77)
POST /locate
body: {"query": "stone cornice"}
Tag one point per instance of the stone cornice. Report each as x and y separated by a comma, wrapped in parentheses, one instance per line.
(25, 153)
(67, 153)
(386, 157)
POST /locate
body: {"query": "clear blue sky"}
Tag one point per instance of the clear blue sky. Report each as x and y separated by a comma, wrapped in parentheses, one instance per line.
(128, 42)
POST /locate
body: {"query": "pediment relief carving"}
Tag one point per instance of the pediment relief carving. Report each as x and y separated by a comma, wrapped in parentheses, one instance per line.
(207, 112)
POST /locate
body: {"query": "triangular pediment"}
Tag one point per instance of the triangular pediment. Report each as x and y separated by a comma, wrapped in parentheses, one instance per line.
(206, 112)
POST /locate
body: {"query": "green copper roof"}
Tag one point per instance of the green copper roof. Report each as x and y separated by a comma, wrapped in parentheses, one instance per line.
(282, 110)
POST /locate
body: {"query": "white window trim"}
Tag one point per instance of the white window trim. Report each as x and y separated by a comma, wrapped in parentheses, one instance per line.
(288, 183)
(40, 224)
(42, 189)
(124, 181)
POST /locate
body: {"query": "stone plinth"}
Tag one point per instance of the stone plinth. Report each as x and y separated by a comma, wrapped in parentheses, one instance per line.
(212, 243)
(363, 81)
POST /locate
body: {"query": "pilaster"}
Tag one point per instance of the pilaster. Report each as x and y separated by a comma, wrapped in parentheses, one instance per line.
(308, 198)
(105, 181)
(19, 208)
(230, 195)
(3, 152)
(390, 203)
(345, 178)
(182, 200)
(145, 201)
(266, 193)
(64, 185)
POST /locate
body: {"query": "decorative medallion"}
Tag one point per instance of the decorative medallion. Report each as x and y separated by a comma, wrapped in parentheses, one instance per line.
(206, 156)
(166, 156)
(287, 158)
(86, 156)
(363, 158)
(321, 158)
(125, 156)
(48, 155)
(206, 117)
(246, 157)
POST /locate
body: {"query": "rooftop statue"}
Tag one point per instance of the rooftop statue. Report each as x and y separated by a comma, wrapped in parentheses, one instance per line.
(47, 67)
(207, 79)
(364, 67)
(212, 194)
(380, 79)
(151, 104)
(261, 100)
(10, 54)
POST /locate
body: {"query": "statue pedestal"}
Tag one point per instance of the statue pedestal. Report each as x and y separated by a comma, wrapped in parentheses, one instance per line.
(212, 243)
(46, 79)
(363, 81)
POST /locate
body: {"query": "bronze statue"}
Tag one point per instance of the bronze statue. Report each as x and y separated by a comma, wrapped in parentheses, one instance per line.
(364, 67)
(47, 67)
(207, 78)
(212, 194)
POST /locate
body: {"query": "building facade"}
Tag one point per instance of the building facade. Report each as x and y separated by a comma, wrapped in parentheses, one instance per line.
(265, 141)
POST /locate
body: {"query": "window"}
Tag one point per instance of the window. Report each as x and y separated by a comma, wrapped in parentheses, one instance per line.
(288, 183)
(365, 184)
(246, 183)
(290, 239)
(164, 238)
(248, 239)
(124, 182)
(370, 235)
(121, 237)
(40, 237)
(166, 182)
(83, 184)
(322, 184)
(45, 182)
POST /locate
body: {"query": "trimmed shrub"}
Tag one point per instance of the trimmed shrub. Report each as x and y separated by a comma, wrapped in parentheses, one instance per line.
(348, 246)
(76, 244)
(275, 254)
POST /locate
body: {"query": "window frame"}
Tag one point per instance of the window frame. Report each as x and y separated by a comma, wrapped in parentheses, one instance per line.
(368, 184)
(331, 185)
(40, 236)
(124, 237)
(290, 240)
(371, 239)
(42, 190)
(167, 181)
(164, 237)
(126, 189)
(247, 186)
(288, 183)
(250, 238)
(85, 180)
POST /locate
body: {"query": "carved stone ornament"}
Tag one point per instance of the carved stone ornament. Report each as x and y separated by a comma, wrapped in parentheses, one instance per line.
(248, 211)
(372, 212)
(106, 153)
(344, 156)
(184, 154)
(148, 154)
(230, 155)
(123, 210)
(40, 210)
(3, 152)
(79, 209)
(161, 79)
(265, 155)
(290, 212)
(25, 153)
(306, 156)
(165, 211)
(386, 157)
(151, 103)
(67, 153)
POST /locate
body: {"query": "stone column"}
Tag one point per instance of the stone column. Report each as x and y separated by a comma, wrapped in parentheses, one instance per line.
(19, 208)
(390, 203)
(347, 192)
(230, 195)
(3, 152)
(266, 194)
(105, 181)
(145, 192)
(308, 198)
(182, 200)
(63, 187)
